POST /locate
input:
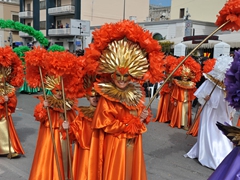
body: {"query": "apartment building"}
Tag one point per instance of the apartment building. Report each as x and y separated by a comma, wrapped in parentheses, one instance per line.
(53, 17)
(9, 10)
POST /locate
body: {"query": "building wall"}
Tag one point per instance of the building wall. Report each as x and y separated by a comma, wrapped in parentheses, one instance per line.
(107, 11)
(7, 10)
(202, 10)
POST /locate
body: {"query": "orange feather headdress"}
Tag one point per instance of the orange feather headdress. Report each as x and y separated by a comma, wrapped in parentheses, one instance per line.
(194, 67)
(56, 64)
(230, 12)
(128, 46)
(11, 64)
(35, 59)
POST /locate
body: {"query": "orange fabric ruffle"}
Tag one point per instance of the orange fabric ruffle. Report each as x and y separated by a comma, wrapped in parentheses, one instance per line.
(134, 124)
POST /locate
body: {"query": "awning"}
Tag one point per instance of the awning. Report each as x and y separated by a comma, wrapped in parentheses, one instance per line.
(232, 39)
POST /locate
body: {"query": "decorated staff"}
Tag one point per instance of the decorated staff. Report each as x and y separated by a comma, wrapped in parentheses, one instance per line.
(11, 75)
(228, 19)
(51, 70)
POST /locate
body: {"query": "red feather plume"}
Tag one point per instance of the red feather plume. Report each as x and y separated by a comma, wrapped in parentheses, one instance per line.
(35, 59)
(230, 11)
(9, 58)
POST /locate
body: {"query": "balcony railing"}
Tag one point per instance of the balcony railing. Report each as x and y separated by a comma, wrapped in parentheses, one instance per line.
(22, 34)
(59, 32)
(11, 1)
(61, 10)
(26, 15)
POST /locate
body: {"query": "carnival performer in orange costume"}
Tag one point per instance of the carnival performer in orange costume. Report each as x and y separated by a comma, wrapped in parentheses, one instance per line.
(44, 154)
(53, 71)
(11, 74)
(124, 55)
(80, 131)
(165, 105)
(182, 94)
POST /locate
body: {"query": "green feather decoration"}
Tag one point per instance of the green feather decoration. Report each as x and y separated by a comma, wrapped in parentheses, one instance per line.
(38, 35)
(56, 47)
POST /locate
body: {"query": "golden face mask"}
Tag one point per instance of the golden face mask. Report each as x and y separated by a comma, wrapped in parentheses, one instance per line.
(121, 75)
(124, 56)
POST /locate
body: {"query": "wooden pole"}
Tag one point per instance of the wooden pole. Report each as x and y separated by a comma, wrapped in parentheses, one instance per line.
(68, 143)
(50, 125)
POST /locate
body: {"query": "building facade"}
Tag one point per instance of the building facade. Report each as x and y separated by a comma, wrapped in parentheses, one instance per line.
(159, 13)
(52, 17)
(201, 10)
(9, 10)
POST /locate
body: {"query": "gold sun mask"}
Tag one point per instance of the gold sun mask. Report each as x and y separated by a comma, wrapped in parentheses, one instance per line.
(124, 54)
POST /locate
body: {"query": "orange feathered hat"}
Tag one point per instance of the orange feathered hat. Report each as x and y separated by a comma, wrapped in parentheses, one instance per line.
(56, 64)
(230, 12)
(127, 46)
(9, 60)
(190, 63)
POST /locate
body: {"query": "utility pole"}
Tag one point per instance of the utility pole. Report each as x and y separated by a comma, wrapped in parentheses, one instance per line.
(10, 39)
(124, 9)
(81, 31)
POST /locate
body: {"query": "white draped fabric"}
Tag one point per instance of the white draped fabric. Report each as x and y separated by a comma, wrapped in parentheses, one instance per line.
(212, 146)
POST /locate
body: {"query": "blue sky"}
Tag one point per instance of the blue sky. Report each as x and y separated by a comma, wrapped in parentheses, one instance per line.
(161, 2)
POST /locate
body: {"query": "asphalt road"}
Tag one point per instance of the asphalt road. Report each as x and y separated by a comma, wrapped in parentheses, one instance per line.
(164, 147)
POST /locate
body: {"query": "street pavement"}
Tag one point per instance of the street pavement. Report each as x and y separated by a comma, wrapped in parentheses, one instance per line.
(163, 146)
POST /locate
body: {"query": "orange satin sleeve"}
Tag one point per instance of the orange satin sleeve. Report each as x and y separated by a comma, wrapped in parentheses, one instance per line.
(178, 94)
(115, 118)
(80, 130)
(107, 116)
(191, 94)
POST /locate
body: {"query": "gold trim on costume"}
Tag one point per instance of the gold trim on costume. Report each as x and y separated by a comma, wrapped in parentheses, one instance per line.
(88, 111)
(124, 54)
(58, 103)
(9, 89)
(131, 96)
(184, 84)
(51, 82)
(214, 81)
